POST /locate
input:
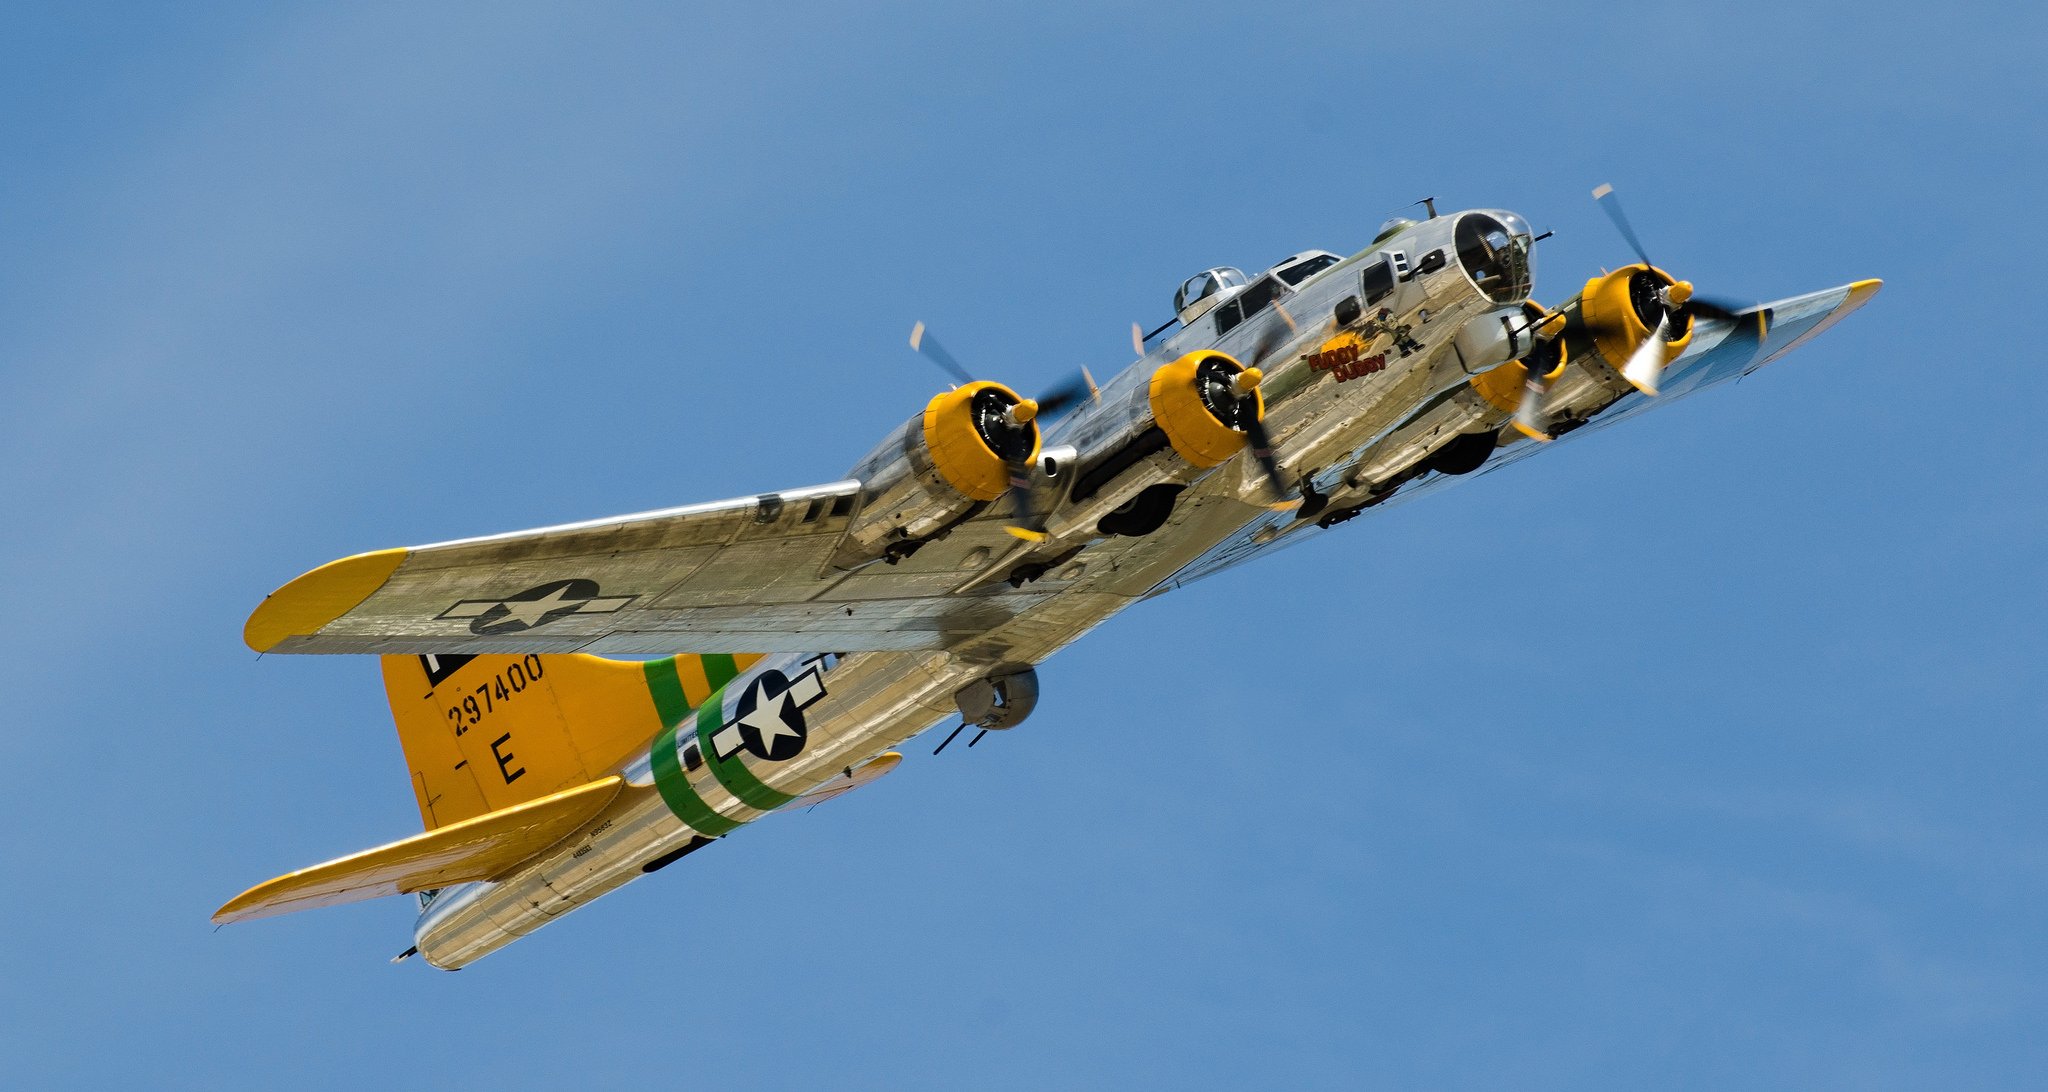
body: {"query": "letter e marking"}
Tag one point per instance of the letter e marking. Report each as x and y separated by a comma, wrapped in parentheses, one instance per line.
(505, 759)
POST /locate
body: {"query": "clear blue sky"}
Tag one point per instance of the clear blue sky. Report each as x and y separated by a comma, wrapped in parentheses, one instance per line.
(1704, 753)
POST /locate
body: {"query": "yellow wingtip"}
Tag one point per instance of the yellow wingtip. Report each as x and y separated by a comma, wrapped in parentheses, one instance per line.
(319, 597)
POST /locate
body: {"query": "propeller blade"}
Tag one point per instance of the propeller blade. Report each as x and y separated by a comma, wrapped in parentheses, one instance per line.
(1529, 414)
(1274, 337)
(1646, 365)
(1066, 395)
(1024, 522)
(930, 347)
(1261, 443)
(1612, 206)
(1724, 310)
(1137, 339)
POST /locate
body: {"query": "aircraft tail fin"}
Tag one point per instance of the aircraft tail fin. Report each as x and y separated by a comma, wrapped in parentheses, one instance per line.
(484, 733)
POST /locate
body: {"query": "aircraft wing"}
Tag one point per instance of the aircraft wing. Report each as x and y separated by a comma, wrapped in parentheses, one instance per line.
(1718, 354)
(746, 575)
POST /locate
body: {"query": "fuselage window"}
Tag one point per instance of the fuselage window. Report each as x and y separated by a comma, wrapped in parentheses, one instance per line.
(1301, 271)
(1227, 317)
(1258, 296)
(1248, 303)
(1379, 282)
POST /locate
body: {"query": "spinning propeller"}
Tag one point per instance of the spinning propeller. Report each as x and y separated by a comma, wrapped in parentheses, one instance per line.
(1010, 428)
(1231, 398)
(1665, 307)
(1244, 386)
(1543, 365)
(1674, 304)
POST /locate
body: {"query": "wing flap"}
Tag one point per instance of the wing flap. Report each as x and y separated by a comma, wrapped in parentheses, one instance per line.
(474, 849)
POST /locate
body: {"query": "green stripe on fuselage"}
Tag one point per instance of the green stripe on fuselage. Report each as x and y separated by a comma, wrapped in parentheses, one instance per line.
(666, 687)
(732, 772)
(674, 786)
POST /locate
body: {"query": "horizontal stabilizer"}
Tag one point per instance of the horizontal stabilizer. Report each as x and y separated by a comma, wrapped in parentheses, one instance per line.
(474, 849)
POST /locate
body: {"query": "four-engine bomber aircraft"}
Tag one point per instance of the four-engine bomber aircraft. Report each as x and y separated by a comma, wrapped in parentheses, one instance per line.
(822, 627)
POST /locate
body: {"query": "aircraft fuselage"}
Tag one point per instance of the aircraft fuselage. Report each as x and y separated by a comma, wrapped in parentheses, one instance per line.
(1342, 365)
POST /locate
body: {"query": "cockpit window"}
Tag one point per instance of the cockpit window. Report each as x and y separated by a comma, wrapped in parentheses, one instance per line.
(1301, 271)
(1495, 257)
(1248, 303)
(1203, 285)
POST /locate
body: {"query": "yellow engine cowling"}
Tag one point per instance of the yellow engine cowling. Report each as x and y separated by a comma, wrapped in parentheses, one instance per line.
(938, 469)
(1187, 404)
(956, 439)
(1612, 308)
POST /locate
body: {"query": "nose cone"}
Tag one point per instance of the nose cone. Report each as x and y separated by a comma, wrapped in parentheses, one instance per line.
(1496, 251)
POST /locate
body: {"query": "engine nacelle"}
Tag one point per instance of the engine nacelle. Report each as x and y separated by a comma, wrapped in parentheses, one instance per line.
(1621, 310)
(1502, 386)
(1197, 402)
(940, 468)
(1191, 417)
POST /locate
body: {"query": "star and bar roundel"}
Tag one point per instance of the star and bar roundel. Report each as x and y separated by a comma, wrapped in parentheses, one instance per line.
(535, 607)
(767, 723)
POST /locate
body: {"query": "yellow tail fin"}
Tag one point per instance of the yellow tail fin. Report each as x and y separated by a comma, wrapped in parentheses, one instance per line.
(482, 733)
